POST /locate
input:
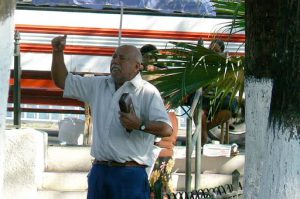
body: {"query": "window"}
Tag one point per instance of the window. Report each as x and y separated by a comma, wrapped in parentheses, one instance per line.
(55, 116)
(44, 116)
(30, 115)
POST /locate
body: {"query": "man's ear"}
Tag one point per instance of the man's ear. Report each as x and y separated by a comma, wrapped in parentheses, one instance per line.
(138, 66)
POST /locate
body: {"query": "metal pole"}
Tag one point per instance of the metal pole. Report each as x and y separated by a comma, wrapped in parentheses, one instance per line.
(121, 23)
(188, 161)
(189, 142)
(198, 144)
(17, 82)
(235, 180)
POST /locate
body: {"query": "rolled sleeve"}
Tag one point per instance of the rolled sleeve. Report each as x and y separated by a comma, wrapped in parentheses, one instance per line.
(78, 87)
(157, 111)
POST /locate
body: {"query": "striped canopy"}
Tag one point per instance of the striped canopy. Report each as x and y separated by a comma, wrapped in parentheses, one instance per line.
(203, 7)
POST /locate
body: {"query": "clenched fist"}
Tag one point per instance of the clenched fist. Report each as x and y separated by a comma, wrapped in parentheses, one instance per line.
(59, 43)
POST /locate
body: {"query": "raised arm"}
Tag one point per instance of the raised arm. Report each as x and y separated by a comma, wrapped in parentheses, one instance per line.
(58, 67)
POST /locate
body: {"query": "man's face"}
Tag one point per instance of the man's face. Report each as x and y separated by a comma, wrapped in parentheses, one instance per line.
(215, 47)
(147, 60)
(124, 65)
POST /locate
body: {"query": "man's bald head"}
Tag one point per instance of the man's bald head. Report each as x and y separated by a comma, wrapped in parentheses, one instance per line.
(133, 52)
(125, 64)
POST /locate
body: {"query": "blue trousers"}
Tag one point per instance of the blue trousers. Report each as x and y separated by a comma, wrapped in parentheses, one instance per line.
(116, 182)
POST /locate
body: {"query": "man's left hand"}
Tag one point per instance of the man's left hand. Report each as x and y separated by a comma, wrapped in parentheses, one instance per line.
(130, 120)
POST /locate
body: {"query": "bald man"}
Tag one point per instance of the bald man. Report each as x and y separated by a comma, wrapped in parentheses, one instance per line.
(123, 143)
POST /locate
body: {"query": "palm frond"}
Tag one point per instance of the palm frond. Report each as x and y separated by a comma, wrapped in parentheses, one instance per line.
(200, 67)
(190, 67)
(235, 9)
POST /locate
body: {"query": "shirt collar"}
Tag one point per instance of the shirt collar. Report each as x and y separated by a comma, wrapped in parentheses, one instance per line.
(136, 82)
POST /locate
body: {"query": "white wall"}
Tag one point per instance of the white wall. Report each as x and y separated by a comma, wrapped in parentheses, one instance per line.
(6, 53)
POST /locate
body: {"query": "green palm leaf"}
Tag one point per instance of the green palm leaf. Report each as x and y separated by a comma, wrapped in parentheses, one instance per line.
(194, 67)
(191, 67)
(234, 9)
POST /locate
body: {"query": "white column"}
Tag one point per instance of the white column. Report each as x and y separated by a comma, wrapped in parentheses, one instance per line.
(6, 52)
(272, 167)
(258, 99)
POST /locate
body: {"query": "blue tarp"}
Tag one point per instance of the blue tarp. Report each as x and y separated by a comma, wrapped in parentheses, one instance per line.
(203, 7)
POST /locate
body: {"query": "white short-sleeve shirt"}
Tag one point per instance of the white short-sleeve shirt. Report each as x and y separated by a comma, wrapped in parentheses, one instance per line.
(111, 141)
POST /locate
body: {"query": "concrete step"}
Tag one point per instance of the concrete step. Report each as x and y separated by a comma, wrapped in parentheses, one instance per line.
(44, 194)
(217, 165)
(67, 182)
(68, 158)
(77, 158)
(64, 181)
(68, 166)
(207, 180)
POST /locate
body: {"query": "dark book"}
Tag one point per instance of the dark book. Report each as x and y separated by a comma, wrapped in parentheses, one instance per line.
(125, 104)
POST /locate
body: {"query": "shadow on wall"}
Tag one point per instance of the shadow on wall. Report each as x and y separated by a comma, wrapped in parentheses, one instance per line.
(6, 9)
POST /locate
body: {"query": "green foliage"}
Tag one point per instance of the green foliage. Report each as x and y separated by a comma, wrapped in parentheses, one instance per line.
(234, 9)
(191, 67)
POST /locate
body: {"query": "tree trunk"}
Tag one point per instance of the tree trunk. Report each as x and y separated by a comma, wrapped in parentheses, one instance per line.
(6, 52)
(272, 99)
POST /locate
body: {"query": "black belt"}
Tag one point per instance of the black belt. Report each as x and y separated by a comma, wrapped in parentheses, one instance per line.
(119, 164)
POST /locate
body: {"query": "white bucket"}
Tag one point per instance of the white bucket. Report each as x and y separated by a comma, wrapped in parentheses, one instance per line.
(71, 131)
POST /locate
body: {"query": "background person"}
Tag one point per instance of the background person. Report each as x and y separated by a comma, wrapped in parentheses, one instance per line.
(217, 46)
(121, 158)
(220, 116)
(164, 164)
(146, 51)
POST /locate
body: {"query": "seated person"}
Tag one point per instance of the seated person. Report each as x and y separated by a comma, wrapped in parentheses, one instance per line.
(217, 45)
(223, 114)
(211, 120)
